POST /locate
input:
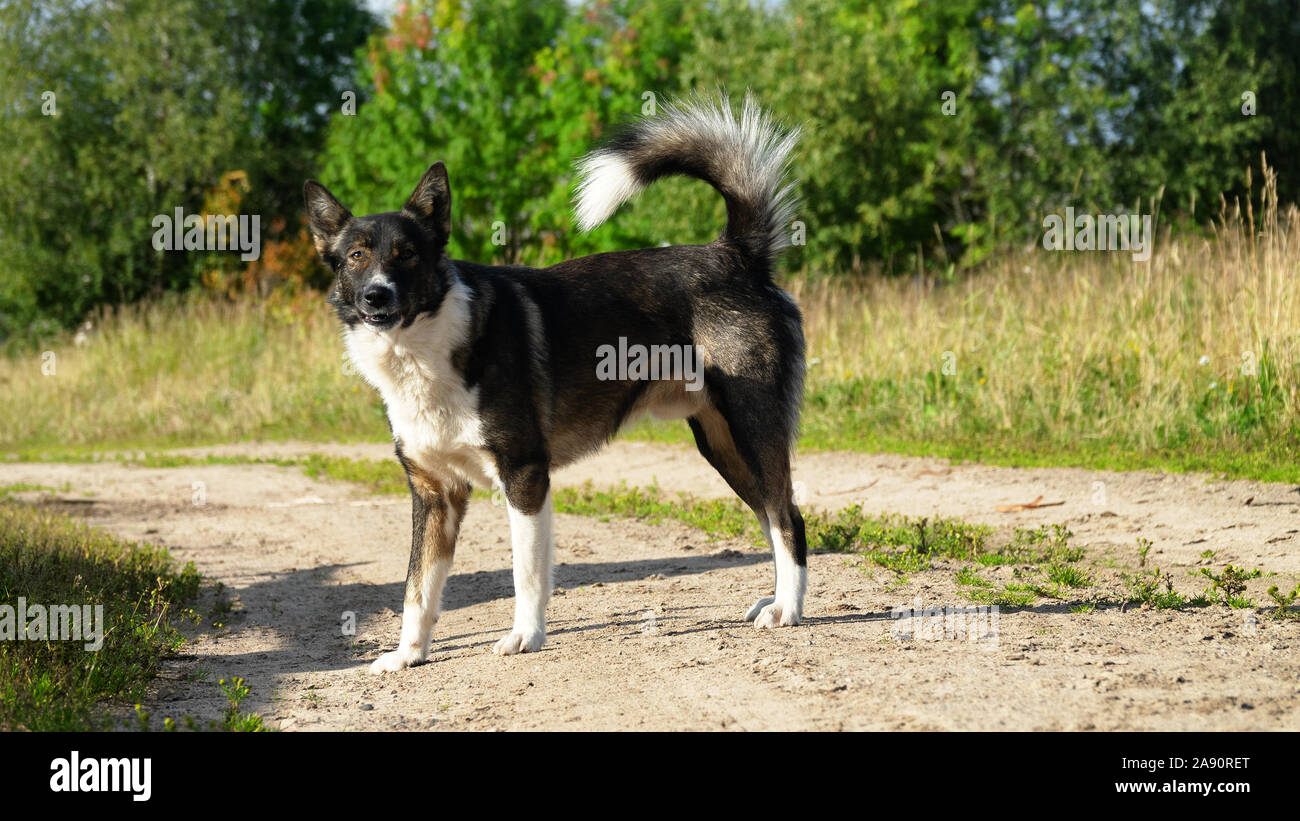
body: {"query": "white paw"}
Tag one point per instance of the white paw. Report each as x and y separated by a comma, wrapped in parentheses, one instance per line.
(511, 643)
(396, 660)
(758, 608)
(776, 615)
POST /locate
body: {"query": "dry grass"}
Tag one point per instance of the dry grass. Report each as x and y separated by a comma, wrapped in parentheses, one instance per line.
(186, 373)
(1195, 352)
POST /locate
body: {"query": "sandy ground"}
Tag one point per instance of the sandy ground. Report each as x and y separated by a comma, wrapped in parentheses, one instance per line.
(646, 629)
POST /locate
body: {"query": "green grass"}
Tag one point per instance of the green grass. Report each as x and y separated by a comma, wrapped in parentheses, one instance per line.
(720, 518)
(22, 487)
(901, 544)
(1006, 597)
(52, 560)
(1067, 575)
(969, 576)
(384, 477)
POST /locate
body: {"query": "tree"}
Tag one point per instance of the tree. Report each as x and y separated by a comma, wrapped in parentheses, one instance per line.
(119, 111)
(509, 95)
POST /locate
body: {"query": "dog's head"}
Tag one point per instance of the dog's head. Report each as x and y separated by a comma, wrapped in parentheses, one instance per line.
(388, 268)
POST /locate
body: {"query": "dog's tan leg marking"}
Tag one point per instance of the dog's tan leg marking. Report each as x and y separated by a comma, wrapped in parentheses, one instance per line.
(437, 511)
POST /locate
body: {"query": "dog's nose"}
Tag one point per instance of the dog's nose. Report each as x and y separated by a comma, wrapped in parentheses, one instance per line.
(379, 297)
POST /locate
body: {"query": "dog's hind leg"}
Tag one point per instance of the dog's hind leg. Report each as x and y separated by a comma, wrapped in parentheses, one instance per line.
(759, 472)
(785, 532)
(790, 549)
(436, 513)
(713, 438)
(528, 500)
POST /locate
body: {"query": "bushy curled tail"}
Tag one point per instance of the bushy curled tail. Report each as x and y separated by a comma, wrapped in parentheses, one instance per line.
(745, 159)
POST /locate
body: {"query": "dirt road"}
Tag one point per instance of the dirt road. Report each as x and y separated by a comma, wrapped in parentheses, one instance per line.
(646, 630)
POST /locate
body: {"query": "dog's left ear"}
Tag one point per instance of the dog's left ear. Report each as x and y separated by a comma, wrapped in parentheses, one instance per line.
(430, 203)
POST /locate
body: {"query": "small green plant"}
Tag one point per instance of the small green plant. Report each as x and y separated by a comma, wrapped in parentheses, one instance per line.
(1067, 575)
(1041, 545)
(1033, 588)
(1144, 547)
(1283, 609)
(1007, 597)
(901, 562)
(236, 690)
(1145, 589)
(720, 518)
(1230, 585)
(970, 577)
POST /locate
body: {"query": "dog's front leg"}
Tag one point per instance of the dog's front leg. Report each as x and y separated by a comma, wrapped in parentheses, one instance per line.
(528, 499)
(436, 513)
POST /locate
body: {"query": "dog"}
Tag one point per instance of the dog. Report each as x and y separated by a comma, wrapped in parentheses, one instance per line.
(489, 373)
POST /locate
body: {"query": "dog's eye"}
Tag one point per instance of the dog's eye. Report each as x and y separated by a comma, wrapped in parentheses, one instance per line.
(356, 255)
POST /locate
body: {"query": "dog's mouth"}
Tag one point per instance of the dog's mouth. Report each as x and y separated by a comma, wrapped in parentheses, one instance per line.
(381, 320)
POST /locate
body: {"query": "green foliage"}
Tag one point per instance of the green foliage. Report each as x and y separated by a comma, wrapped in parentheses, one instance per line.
(509, 95)
(1048, 544)
(970, 577)
(934, 133)
(967, 122)
(137, 127)
(879, 158)
(114, 113)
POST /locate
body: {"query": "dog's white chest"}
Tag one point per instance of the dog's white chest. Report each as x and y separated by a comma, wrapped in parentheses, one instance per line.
(434, 416)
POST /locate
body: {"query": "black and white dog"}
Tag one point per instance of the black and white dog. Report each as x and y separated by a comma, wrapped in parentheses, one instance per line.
(490, 374)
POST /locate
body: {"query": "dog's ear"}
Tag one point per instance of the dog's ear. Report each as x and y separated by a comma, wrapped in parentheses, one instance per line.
(326, 216)
(430, 203)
